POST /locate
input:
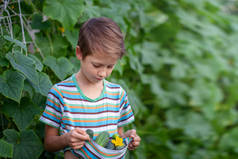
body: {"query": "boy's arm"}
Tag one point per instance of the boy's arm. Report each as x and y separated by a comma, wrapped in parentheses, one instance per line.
(53, 142)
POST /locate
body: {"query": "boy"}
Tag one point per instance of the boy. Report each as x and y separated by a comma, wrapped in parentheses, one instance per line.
(86, 100)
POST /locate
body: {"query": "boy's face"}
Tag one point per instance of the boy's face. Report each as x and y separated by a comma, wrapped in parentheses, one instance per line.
(97, 66)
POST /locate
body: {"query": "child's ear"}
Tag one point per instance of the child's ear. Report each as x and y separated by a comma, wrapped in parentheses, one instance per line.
(79, 54)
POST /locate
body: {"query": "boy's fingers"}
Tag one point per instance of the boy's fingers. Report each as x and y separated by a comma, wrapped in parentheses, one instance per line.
(136, 144)
(80, 131)
(131, 147)
(78, 146)
(81, 134)
(78, 134)
(133, 132)
(83, 137)
(137, 138)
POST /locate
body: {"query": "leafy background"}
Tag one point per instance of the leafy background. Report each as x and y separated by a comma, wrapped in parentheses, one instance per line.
(180, 71)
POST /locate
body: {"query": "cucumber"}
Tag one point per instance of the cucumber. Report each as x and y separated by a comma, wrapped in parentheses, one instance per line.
(120, 147)
(102, 139)
(110, 145)
(90, 133)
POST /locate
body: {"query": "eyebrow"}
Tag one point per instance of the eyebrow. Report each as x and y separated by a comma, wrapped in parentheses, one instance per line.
(97, 63)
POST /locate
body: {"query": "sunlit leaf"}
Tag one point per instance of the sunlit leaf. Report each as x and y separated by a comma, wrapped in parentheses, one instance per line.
(66, 12)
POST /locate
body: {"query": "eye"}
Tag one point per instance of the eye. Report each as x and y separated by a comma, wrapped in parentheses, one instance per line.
(110, 66)
(96, 65)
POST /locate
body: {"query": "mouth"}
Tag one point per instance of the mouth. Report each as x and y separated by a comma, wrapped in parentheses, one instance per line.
(99, 79)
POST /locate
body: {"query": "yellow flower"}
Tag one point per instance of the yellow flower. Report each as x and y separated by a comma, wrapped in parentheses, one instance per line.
(118, 141)
(61, 29)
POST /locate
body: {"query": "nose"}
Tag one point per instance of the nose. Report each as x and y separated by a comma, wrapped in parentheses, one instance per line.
(102, 73)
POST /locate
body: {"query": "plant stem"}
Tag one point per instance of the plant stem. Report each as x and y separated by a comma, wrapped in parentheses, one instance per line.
(22, 28)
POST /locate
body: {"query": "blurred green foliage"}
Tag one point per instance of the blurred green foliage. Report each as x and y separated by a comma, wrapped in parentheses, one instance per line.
(180, 72)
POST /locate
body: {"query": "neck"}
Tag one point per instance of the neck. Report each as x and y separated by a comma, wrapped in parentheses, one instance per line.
(82, 80)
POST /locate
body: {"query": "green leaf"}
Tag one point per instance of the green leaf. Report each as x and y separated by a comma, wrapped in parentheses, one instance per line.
(6, 149)
(201, 92)
(15, 41)
(135, 101)
(177, 92)
(11, 135)
(11, 84)
(119, 67)
(39, 100)
(37, 22)
(44, 44)
(27, 144)
(60, 45)
(23, 64)
(193, 124)
(61, 66)
(39, 66)
(75, 62)
(28, 88)
(72, 37)
(66, 12)
(90, 11)
(151, 19)
(149, 52)
(135, 63)
(179, 70)
(3, 62)
(229, 140)
(43, 84)
(22, 113)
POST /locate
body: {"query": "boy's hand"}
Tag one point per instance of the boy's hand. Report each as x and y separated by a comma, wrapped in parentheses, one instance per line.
(76, 138)
(135, 139)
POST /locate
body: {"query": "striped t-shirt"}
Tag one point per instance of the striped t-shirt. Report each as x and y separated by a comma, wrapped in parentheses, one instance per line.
(68, 108)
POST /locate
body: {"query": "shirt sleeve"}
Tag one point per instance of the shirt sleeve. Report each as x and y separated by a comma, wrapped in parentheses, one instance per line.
(126, 113)
(52, 114)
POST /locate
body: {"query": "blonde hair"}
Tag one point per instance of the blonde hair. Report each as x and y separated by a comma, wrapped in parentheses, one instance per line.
(101, 35)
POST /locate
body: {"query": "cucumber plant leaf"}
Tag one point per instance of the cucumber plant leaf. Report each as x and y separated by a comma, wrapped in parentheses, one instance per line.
(66, 12)
(17, 42)
(37, 22)
(61, 66)
(228, 140)
(26, 143)
(193, 124)
(6, 149)
(12, 84)
(43, 84)
(23, 64)
(39, 66)
(72, 37)
(22, 113)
